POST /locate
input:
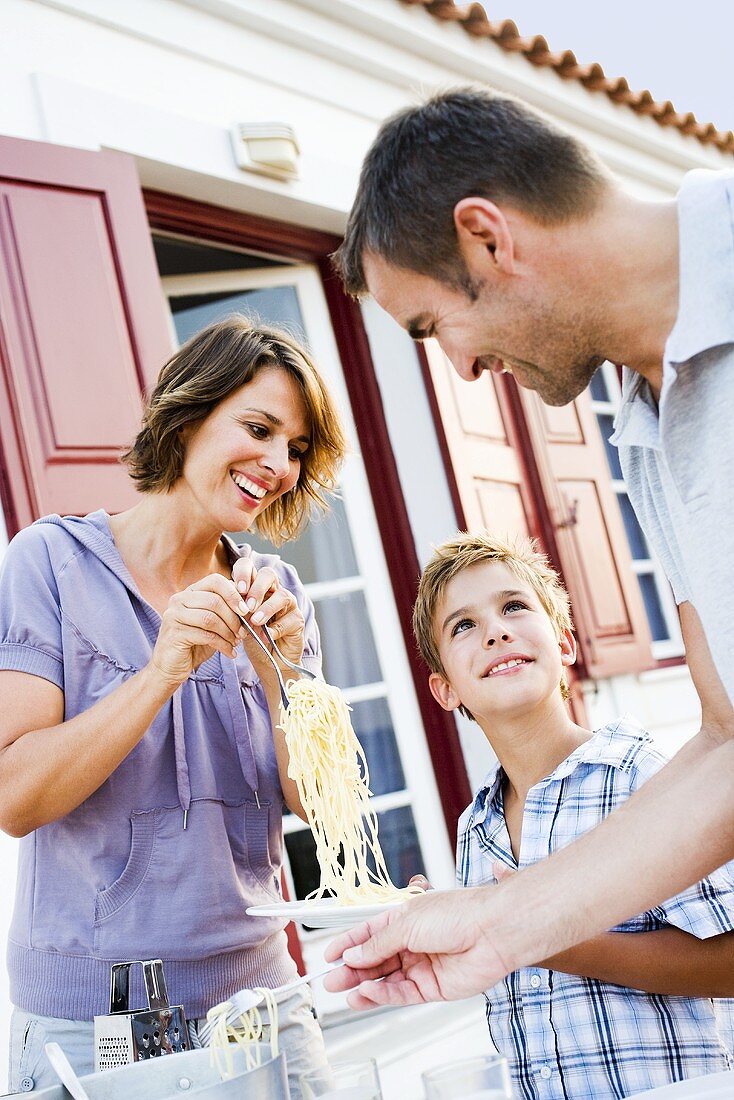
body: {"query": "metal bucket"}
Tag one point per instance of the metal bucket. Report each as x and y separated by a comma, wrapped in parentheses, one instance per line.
(190, 1074)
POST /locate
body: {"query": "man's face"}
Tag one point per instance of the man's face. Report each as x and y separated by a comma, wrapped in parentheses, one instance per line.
(514, 324)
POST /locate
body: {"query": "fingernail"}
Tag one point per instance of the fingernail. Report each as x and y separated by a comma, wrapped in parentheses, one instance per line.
(234, 650)
(258, 617)
(251, 605)
(242, 587)
(242, 607)
(242, 632)
(352, 955)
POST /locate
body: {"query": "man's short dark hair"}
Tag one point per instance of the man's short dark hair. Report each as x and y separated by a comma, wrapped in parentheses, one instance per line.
(467, 141)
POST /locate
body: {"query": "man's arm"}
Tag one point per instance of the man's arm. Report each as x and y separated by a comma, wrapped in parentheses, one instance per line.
(668, 961)
(446, 945)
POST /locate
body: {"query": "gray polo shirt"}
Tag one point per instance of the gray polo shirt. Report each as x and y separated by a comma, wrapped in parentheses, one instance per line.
(678, 458)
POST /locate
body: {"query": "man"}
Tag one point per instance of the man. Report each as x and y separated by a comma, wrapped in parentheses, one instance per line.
(480, 223)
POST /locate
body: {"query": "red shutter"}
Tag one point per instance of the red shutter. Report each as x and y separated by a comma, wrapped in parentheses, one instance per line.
(486, 462)
(522, 467)
(611, 624)
(83, 327)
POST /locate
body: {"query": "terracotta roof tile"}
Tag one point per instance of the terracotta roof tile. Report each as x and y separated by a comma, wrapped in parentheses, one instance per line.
(474, 20)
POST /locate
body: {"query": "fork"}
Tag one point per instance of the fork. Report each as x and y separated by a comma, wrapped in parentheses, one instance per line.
(269, 654)
(246, 999)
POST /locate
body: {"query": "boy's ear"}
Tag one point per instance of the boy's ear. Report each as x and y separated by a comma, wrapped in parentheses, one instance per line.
(442, 692)
(568, 648)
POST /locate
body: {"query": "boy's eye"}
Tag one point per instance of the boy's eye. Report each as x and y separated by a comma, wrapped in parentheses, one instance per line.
(461, 626)
(515, 605)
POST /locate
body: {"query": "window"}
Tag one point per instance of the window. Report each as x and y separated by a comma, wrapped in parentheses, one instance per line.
(657, 596)
(341, 564)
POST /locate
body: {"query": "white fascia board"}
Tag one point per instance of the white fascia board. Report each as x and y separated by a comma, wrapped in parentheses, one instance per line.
(185, 156)
(402, 46)
(381, 55)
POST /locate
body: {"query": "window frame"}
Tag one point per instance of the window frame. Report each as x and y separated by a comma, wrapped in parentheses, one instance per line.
(421, 791)
(669, 649)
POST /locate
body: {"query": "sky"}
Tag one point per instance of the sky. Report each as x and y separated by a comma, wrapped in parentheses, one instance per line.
(679, 50)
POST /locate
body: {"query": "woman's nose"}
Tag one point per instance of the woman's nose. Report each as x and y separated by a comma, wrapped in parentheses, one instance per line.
(275, 459)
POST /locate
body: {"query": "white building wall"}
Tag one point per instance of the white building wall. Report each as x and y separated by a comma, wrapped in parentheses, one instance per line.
(164, 80)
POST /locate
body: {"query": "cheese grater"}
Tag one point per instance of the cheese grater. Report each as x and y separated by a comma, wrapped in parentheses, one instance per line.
(124, 1036)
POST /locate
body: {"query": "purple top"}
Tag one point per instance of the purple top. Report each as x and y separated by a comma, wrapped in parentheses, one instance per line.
(120, 877)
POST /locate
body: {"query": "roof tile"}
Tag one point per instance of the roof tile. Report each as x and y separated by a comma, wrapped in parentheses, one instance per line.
(474, 20)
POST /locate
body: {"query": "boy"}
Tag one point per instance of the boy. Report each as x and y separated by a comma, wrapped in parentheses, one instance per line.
(493, 624)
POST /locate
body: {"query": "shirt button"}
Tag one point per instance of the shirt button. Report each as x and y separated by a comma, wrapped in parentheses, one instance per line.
(27, 1084)
(545, 1072)
(535, 981)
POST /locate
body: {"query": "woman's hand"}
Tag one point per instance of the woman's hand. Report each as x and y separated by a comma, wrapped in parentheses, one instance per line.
(197, 622)
(269, 604)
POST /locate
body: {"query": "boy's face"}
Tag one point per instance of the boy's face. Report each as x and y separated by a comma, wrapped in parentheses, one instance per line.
(497, 644)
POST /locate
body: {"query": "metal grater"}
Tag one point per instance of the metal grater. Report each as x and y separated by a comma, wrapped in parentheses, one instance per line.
(124, 1036)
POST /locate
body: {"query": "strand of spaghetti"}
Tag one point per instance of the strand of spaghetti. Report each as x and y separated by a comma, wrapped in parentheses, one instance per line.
(329, 767)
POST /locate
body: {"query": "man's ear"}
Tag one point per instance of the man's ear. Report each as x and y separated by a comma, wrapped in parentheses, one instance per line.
(484, 233)
(567, 643)
(442, 692)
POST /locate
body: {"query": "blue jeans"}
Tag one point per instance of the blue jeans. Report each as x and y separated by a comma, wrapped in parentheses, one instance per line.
(299, 1036)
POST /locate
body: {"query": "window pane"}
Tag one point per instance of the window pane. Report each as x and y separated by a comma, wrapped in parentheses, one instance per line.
(635, 537)
(373, 725)
(598, 386)
(606, 426)
(656, 619)
(350, 657)
(398, 840)
(277, 305)
(324, 552)
(301, 849)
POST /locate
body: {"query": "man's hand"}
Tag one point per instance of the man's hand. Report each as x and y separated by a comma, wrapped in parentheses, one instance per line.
(435, 947)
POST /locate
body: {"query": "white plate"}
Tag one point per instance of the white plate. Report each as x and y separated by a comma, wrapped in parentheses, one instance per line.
(322, 914)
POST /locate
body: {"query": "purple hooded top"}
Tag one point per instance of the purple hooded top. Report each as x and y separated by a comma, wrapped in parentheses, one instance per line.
(163, 859)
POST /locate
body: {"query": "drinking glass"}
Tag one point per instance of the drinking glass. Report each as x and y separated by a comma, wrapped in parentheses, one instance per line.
(485, 1078)
(343, 1081)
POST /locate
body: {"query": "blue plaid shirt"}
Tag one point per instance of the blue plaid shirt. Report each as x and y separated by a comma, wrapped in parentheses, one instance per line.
(570, 1038)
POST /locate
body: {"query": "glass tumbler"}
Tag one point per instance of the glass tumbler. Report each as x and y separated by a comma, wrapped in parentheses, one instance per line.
(485, 1078)
(343, 1081)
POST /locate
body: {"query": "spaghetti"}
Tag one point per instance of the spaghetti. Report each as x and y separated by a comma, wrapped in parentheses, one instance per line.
(247, 1032)
(329, 767)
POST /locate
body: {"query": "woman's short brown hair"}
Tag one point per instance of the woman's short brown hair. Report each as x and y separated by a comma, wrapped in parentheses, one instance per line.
(205, 370)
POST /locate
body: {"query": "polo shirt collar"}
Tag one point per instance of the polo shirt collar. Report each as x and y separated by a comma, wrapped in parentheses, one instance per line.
(706, 262)
(705, 299)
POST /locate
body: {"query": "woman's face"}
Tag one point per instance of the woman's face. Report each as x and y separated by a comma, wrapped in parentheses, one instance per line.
(248, 451)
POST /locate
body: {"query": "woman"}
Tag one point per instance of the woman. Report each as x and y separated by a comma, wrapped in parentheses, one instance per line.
(140, 760)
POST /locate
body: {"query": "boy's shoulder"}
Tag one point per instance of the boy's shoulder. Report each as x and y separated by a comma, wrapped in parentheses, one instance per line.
(625, 744)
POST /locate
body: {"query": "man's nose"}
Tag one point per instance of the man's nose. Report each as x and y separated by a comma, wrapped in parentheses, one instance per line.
(464, 365)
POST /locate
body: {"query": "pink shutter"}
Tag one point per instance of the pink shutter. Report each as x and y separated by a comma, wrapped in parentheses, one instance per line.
(486, 461)
(83, 329)
(611, 624)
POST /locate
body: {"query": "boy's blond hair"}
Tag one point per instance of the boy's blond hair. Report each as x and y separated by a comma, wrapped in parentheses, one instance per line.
(521, 555)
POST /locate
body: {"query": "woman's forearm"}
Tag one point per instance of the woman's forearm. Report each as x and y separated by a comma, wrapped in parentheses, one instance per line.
(46, 773)
(668, 961)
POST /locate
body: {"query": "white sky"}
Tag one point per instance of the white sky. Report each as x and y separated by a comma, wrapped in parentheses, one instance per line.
(679, 50)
